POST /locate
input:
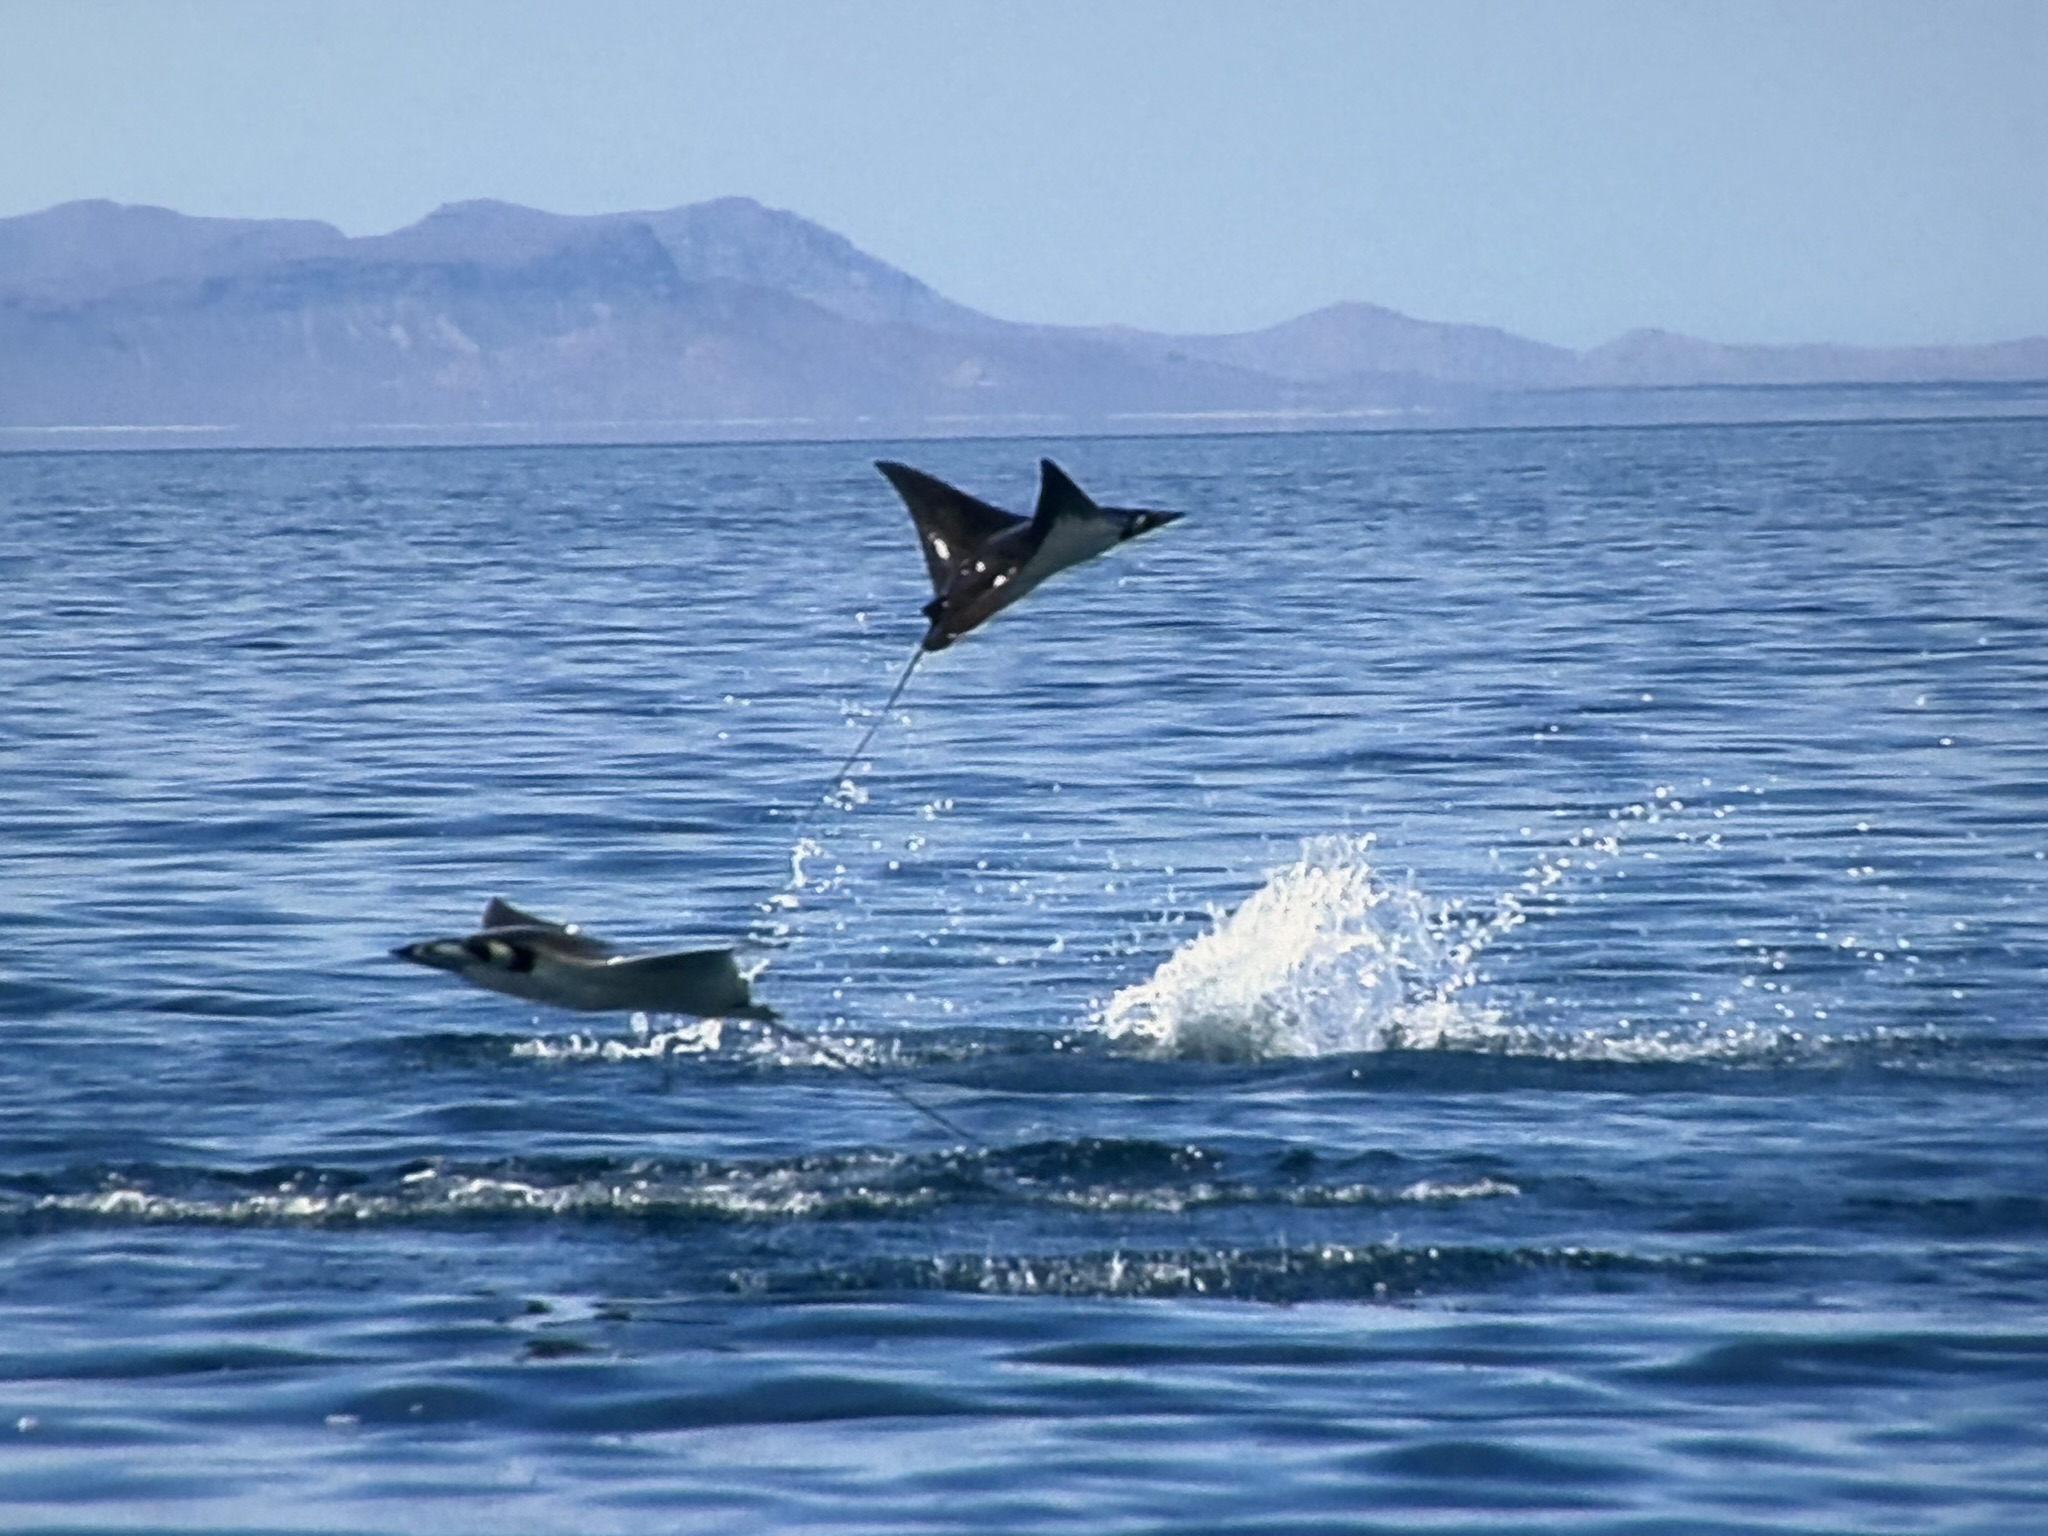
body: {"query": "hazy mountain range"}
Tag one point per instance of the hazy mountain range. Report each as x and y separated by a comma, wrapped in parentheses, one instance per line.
(487, 321)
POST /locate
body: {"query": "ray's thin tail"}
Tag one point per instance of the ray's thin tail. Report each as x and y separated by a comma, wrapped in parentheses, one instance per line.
(824, 796)
(839, 1059)
(803, 1036)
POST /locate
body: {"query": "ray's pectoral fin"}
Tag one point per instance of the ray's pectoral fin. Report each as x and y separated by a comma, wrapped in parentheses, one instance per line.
(1060, 500)
(500, 913)
(951, 525)
(1058, 497)
(706, 982)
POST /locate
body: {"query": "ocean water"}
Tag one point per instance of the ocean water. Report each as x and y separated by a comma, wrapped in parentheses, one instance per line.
(1486, 982)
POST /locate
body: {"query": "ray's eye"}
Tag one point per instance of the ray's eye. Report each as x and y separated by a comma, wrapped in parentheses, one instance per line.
(480, 949)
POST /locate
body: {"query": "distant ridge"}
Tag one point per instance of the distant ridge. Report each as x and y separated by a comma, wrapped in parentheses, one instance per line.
(486, 321)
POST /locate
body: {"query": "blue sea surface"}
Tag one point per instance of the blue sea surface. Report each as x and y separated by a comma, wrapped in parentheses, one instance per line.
(1491, 982)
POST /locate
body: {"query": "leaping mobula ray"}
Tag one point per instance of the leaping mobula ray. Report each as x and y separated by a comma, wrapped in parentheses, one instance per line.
(560, 965)
(982, 559)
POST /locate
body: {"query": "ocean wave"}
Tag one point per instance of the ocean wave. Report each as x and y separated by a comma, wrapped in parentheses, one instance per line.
(1385, 1272)
(1089, 1175)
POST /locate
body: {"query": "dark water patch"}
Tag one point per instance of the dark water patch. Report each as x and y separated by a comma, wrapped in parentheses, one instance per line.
(1468, 1341)
(131, 1363)
(61, 1485)
(229, 1005)
(779, 1398)
(39, 1000)
(1458, 1474)
(1858, 1362)
(1987, 1215)
(1233, 1354)
(557, 1349)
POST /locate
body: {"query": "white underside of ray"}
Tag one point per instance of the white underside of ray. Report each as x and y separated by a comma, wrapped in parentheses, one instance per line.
(1069, 541)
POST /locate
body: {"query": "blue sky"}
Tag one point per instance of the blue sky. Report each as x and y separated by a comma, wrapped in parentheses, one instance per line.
(1850, 170)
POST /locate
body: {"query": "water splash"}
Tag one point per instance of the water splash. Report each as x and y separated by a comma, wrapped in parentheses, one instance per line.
(1328, 956)
(1332, 956)
(731, 1040)
(700, 1037)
